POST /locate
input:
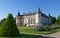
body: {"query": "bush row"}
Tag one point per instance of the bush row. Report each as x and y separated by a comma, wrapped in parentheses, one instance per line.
(47, 28)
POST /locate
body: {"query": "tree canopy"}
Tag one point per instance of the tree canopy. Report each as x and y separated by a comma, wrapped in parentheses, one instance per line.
(9, 28)
(58, 19)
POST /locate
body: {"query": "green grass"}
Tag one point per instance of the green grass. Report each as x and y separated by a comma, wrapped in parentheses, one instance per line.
(32, 31)
(27, 32)
(24, 36)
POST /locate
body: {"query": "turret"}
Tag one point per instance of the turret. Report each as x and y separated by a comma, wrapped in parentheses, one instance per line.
(38, 17)
(38, 11)
(18, 13)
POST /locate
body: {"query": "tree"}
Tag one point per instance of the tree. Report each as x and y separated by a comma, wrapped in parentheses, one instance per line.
(15, 19)
(2, 21)
(53, 19)
(58, 20)
(9, 28)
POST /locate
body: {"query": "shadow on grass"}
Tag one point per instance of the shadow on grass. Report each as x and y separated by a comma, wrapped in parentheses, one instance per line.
(29, 36)
(45, 37)
(33, 36)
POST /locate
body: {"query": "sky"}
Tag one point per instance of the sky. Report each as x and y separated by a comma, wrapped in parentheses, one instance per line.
(24, 6)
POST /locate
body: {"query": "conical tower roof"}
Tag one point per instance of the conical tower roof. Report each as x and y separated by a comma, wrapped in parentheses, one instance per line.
(38, 10)
(18, 13)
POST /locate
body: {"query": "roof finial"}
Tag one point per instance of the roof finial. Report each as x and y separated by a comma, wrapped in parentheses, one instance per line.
(38, 10)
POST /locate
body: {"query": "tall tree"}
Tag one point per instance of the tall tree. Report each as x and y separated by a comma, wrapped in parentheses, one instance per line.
(58, 19)
(53, 19)
(9, 28)
(2, 21)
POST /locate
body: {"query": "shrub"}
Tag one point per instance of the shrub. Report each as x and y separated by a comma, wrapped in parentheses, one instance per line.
(53, 27)
(46, 28)
(9, 28)
(38, 28)
(43, 28)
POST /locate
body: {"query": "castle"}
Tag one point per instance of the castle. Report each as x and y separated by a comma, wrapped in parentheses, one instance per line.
(32, 19)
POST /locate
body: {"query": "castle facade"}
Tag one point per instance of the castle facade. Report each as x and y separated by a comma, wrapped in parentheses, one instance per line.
(32, 19)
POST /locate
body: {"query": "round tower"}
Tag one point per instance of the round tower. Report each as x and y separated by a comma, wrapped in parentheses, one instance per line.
(38, 17)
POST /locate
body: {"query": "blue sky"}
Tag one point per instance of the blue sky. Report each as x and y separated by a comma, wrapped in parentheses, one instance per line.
(12, 6)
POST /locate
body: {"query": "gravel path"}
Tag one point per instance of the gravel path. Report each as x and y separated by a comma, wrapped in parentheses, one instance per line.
(54, 35)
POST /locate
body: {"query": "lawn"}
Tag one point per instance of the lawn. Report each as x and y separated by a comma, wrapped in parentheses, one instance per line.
(32, 31)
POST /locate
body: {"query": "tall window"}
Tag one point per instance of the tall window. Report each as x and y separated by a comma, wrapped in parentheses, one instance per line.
(31, 21)
(34, 21)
